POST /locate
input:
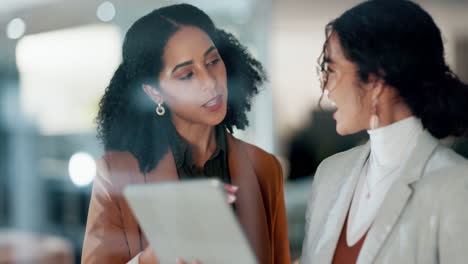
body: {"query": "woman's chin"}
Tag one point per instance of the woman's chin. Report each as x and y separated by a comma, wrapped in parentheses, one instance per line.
(344, 130)
(341, 129)
(217, 118)
(340, 132)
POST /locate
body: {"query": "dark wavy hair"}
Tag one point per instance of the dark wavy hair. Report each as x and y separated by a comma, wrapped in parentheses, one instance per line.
(126, 119)
(397, 41)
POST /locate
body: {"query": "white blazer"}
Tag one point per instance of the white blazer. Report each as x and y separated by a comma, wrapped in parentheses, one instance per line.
(423, 218)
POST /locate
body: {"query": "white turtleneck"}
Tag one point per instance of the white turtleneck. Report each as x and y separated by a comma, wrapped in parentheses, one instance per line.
(390, 147)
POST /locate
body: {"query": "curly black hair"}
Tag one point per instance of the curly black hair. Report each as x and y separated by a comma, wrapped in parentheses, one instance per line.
(397, 41)
(126, 119)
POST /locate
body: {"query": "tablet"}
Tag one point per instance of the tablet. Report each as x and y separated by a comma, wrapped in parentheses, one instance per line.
(189, 219)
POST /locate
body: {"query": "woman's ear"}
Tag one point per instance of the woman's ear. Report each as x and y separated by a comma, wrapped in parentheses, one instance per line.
(377, 86)
(154, 94)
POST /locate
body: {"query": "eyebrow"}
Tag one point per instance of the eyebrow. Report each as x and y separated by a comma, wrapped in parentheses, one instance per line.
(209, 50)
(181, 65)
(190, 61)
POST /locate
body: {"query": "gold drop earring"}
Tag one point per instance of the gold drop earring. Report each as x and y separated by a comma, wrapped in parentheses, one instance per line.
(160, 110)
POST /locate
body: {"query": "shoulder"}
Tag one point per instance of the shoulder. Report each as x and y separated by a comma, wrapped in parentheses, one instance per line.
(259, 158)
(444, 168)
(347, 156)
(445, 177)
(116, 167)
(117, 161)
(265, 166)
(444, 157)
(340, 161)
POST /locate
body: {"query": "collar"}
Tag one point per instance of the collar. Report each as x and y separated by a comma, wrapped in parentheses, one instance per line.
(183, 154)
(389, 144)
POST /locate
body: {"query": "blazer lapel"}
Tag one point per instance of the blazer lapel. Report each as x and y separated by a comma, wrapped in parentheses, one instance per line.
(397, 198)
(342, 192)
(249, 204)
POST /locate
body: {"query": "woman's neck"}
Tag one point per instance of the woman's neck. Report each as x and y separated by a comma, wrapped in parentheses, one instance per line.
(397, 113)
(392, 108)
(200, 138)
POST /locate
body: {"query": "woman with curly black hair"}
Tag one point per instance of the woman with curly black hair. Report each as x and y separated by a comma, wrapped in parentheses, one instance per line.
(168, 114)
(400, 198)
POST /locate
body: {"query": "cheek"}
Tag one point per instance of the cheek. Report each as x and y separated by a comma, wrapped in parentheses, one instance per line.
(350, 105)
(355, 107)
(178, 96)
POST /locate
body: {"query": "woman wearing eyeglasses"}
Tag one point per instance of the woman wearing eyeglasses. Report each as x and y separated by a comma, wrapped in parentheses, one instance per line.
(400, 198)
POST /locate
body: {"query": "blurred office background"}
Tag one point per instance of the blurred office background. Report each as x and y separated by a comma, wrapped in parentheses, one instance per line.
(57, 57)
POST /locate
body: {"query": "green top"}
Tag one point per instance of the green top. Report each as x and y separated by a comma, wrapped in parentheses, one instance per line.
(215, 167)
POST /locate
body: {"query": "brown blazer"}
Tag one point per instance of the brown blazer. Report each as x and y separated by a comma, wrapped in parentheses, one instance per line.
(114, 236)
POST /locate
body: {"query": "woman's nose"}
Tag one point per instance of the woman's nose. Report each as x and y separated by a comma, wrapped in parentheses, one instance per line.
(327, 93)
(329, 97)
(207, 80)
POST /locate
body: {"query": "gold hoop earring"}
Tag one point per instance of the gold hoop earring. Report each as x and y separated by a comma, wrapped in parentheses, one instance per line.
(374, 119)
(160, 110)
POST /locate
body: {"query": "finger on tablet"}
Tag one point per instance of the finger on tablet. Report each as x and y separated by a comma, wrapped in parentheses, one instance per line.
(231, 198)
(231, 188)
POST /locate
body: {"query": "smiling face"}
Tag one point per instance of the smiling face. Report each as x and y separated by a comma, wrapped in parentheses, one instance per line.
(193, 81)
(351, 96)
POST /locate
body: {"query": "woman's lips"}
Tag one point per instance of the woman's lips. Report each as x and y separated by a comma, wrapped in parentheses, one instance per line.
(214, 104)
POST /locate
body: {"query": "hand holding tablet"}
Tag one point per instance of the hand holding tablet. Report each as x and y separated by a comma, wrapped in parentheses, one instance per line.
(190, 220)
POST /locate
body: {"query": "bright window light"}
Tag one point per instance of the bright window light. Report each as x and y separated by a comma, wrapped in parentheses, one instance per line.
(16, 28)
(106, 11)
(82, 168)
(63, 75)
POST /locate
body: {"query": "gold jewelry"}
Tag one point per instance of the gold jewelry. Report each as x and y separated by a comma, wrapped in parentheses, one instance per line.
(160, 110)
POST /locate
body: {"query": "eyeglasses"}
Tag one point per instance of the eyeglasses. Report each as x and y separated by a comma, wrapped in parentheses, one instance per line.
(323, 74)
(329, 78)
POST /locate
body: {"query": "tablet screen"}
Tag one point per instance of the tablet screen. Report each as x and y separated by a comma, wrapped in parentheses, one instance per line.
(189, 219)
